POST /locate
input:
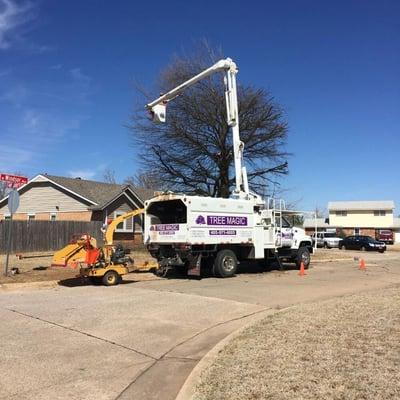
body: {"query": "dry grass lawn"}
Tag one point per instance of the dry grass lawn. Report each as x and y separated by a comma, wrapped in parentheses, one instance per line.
(345, 348)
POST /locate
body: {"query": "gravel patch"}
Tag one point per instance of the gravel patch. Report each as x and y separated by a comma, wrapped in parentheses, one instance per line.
(346, 348)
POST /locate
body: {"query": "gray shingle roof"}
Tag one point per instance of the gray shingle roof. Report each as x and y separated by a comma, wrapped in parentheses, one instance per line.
(310, 223)
(361, 205)
(144, 194)
(98, 192)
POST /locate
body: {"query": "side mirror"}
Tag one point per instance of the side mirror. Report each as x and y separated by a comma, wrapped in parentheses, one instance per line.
(158, 113)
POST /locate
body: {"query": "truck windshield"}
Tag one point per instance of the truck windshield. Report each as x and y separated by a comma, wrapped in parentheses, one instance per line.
(285, 222)
(167, 212)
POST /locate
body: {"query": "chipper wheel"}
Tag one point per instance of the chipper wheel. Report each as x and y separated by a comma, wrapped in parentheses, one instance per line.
(111, 278)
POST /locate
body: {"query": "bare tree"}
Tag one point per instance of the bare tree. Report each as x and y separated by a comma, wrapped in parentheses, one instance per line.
(109, 176)
(193, 150)
(320, 212)
(146, 180)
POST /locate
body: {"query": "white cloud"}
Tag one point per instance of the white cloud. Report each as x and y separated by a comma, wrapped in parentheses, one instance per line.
(78, 76)
(12, 155)
(56, 66)
(37, 118)
(13, 16)
(86, 173)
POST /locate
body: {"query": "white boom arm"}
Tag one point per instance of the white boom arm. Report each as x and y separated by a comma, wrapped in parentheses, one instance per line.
(158, 113)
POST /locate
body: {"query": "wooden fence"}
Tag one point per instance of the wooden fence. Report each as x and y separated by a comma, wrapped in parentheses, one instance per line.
(33, 236)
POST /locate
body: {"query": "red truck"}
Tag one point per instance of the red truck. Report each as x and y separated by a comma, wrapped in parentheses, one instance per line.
(384, 235)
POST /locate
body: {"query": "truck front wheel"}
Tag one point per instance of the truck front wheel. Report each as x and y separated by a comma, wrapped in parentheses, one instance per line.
(225, 264)
(303, 256)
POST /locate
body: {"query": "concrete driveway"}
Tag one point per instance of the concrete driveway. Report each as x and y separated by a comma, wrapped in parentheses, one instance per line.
(140, 340)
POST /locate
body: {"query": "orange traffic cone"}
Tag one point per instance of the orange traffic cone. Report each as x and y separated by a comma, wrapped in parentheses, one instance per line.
(302, 271)
(362, 264)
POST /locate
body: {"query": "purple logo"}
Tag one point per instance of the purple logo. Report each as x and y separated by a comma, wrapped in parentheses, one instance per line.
(286, 235)
(200, 220)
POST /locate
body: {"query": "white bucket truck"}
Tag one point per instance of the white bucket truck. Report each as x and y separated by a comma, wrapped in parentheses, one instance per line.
(189, 232)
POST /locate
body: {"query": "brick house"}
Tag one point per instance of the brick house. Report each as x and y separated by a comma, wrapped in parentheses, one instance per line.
(361, 217)
(57, 198)
(357, 218)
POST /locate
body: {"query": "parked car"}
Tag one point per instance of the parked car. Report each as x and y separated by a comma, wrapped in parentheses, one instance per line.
(326, 239)
(361, 243)
(384, 235)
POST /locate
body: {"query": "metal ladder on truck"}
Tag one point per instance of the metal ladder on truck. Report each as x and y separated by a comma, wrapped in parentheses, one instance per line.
(276, 206)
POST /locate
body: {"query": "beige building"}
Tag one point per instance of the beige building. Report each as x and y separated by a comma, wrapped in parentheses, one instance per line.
(358, 218)
(361, 217)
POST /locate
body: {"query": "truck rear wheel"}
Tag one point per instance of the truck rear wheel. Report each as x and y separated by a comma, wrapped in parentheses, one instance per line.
(303, 256)
(225, 264)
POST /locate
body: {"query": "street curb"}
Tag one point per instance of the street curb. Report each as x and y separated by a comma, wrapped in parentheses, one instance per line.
(28, 285)
(187, 390)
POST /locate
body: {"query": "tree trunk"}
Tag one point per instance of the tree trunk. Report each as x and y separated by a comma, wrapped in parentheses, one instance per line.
(224, 182)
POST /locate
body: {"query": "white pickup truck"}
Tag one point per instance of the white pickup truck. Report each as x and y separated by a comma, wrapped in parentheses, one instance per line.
(327, 240)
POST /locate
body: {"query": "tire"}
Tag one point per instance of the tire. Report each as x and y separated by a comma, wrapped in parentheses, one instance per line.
(111, 278)
(225, 264)
(303, 255)
(343, 247)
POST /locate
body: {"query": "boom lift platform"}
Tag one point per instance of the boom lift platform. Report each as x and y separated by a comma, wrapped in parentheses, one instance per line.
(192, 231)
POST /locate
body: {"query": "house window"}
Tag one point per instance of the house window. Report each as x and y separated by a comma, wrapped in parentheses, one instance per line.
(53, 216)
(379, 213)
(31, 217)
(356, 231)
(124, 226)
(341, 213)
(7, 217)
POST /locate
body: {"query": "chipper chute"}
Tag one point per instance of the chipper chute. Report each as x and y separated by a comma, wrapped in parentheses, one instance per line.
(75, 251)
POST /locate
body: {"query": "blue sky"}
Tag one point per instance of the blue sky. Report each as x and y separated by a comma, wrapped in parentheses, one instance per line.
(66, 93)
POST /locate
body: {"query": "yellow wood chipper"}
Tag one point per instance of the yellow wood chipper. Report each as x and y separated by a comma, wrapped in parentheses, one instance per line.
(104, 264)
